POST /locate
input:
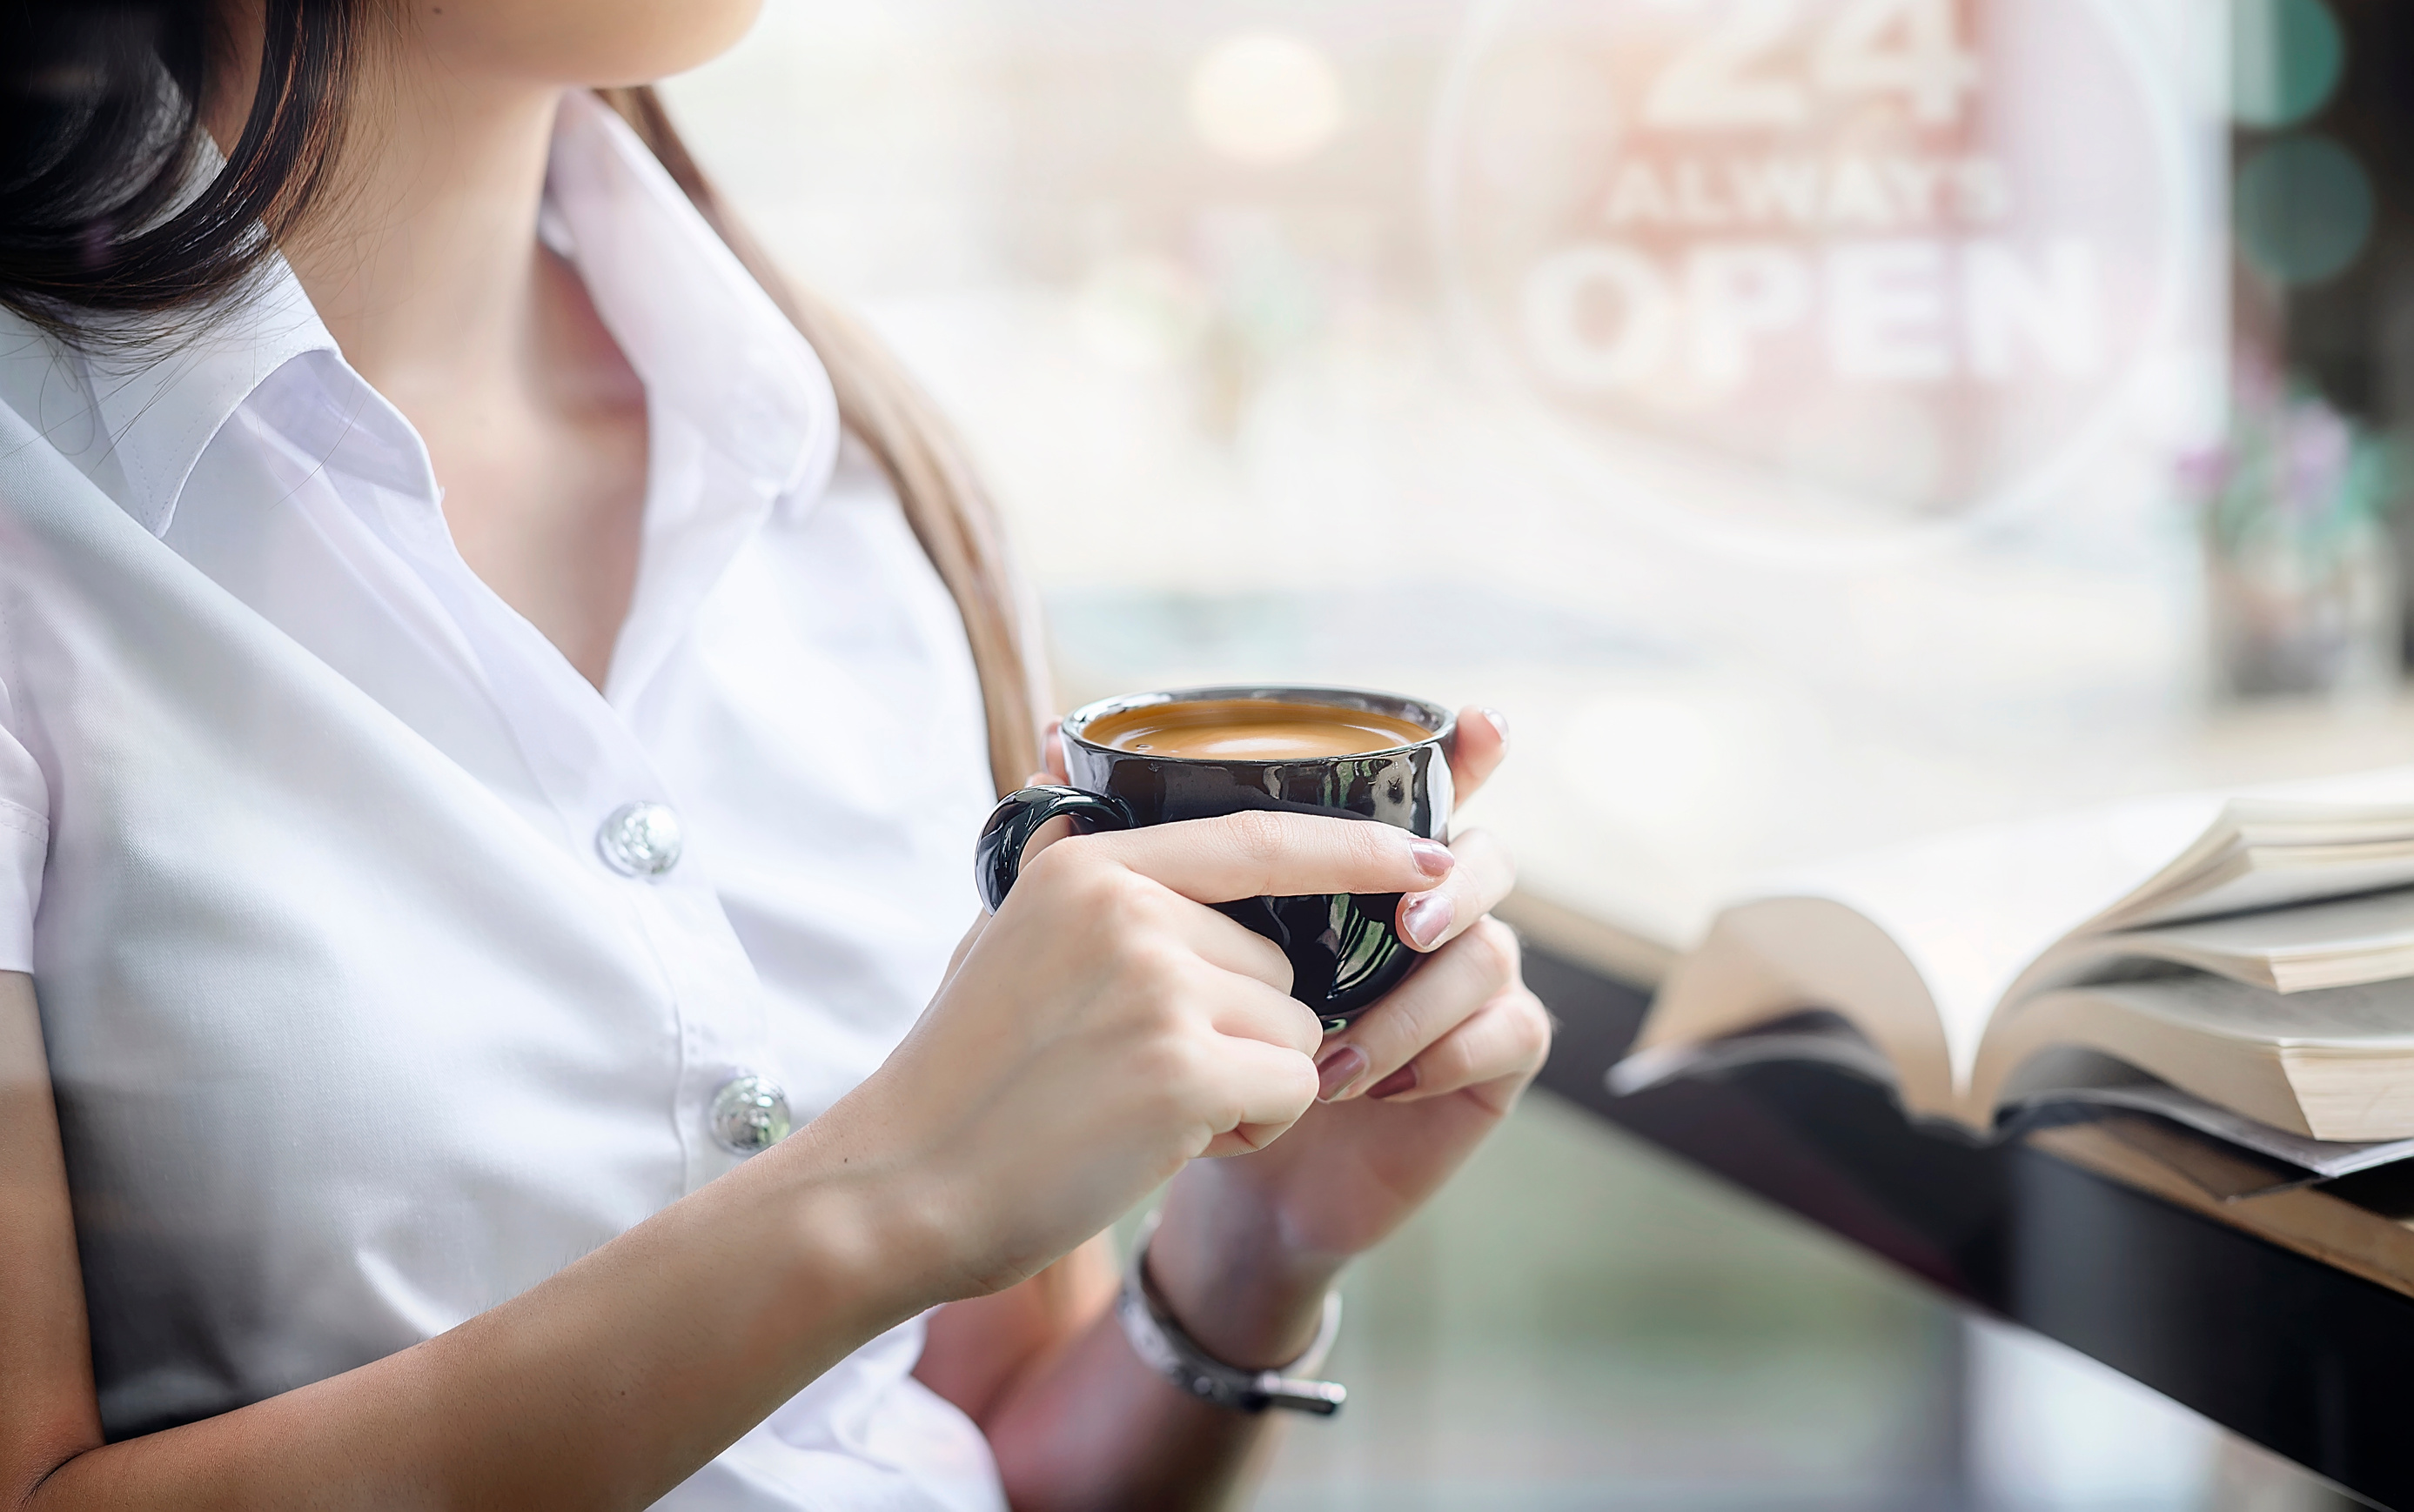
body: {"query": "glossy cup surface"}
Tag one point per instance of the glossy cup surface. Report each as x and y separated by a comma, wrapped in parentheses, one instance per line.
(1344, 952)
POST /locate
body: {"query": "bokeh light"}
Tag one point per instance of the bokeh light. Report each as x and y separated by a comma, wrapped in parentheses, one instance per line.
(2304, 208)
(1265, 98)
(2286, 57)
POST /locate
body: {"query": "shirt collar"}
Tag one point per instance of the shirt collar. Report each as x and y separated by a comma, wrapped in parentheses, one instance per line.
(162, 407)
(707, 341)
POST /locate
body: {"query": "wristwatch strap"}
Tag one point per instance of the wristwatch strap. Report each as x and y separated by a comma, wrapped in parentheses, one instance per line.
(1161, 1342)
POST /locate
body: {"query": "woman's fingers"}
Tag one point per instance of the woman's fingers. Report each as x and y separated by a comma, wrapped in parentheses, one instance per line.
(1257, 1090)
(1500, 1045)
(1261, 854)
(1223, 941)
(1483, 876)
(1483, 744)
(1051, 776)
(1442, 994)
(1249, 1011)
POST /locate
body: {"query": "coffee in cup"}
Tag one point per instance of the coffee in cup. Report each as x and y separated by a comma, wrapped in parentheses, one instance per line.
(1252, 729)
(1203, 752)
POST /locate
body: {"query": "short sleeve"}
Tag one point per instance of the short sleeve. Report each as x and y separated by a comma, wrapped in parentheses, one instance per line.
(25, 843)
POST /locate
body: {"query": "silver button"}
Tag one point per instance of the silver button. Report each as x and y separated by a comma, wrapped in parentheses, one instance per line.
(750, 1113)
(641, 839)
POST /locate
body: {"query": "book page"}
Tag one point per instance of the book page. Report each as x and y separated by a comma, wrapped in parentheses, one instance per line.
(2330, 1063)
(2366, 811)
(2274, 877)
(1972, 909)
(2340, 941)
(2376, 1017)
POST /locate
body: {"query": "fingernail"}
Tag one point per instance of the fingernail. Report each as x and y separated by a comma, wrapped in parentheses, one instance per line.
(1337, 1069)
(1402, 1080)
(1425, 919)
(1432, 857)
(1499, 723)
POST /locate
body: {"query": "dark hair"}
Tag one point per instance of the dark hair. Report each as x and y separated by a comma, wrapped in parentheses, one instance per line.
(100, 140)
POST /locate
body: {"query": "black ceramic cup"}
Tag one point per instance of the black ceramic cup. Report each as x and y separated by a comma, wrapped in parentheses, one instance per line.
(1344, 952)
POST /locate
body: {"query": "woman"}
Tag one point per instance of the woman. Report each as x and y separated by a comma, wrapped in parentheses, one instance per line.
(490, 730)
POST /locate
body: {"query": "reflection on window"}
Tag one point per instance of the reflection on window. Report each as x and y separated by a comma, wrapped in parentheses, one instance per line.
(1814, 421)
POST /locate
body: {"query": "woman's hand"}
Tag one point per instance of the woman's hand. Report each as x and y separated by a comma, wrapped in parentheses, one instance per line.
(1248, 1246)
(1100, 1032)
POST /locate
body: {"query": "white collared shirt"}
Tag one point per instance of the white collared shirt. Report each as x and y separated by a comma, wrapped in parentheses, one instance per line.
(356, 1031)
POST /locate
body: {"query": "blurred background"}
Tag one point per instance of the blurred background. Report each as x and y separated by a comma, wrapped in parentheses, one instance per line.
(1814, 422)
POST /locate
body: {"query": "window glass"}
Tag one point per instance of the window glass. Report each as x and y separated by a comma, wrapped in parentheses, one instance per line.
(1814, 422)
(1811, 421)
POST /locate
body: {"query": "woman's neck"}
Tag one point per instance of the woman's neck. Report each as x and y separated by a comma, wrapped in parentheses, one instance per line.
(425, 273)
(423, 259)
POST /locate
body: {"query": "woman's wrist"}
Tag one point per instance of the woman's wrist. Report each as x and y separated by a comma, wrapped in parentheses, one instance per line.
(1235, 1281)
(859, 1227)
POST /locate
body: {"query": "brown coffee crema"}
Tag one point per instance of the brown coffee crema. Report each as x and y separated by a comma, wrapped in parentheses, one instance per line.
(1251, 730)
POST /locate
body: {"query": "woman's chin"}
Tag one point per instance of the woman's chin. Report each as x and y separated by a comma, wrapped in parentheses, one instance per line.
(597, 43)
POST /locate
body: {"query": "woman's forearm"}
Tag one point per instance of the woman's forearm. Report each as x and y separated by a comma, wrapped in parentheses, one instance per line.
(1102, 1032)
(603, 1387)
(1095, 1428)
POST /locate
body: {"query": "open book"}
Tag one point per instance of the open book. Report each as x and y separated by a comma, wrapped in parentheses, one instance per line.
(2251, 956)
